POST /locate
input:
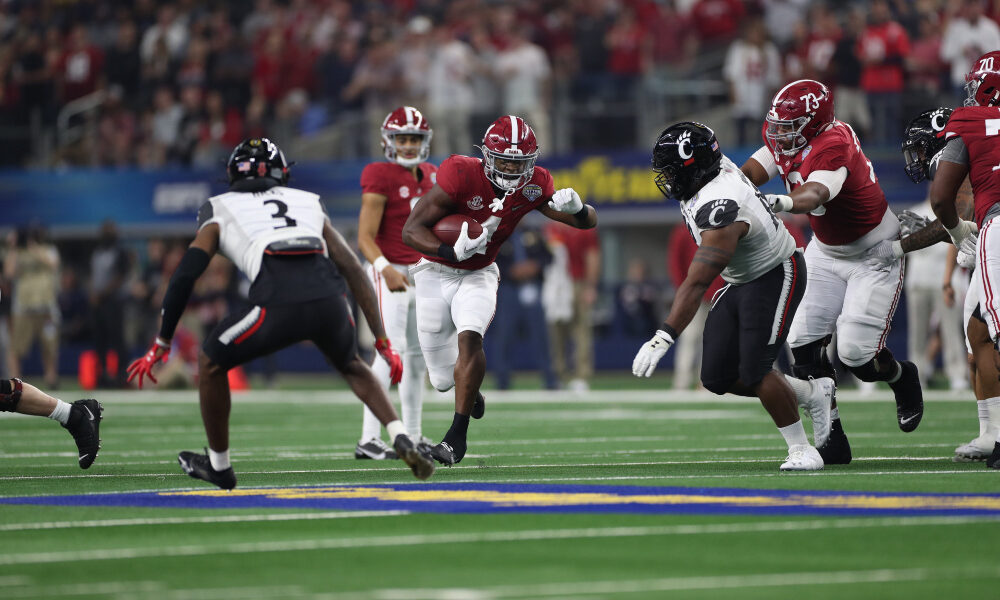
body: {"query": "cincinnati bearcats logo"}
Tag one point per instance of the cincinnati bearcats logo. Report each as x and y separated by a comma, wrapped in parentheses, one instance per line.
(684, 148)
(718, 207)
(476, 203)
(938, 121)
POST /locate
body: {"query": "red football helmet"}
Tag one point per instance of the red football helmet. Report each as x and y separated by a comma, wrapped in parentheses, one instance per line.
(410, 121)
(511, 140)
(982, 83)
(799, 112)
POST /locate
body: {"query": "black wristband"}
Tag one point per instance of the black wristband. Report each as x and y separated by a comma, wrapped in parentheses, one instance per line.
(178, 292)
(581, 215)
(668, 329)
(447, 252)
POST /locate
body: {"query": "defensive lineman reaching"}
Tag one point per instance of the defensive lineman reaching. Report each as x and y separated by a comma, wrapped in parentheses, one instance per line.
(388, 191)
(828, 176)
(740, 239)
(457, 285)
(280, 238)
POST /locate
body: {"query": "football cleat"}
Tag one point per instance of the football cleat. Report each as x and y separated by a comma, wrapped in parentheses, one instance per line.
(374, 449)
(445, 454)
(84, 425)
(909, 397)
(478, 407)
(836, 450)
(417, 456)
(802, 457)
(200, 467)
(978, 449)
(824, 392)
(993, 462)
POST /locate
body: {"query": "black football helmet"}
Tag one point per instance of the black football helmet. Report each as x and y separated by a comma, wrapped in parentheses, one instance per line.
(686, 156)
(256, 158)
(922, 140)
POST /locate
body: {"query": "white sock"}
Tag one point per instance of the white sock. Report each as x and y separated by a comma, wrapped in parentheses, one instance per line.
(794, 434)
(219, 460)
(60, 412)
(984, 416)
(993, 430)
(395, 428)
(834, 414)
(801, 387)
(411, 393)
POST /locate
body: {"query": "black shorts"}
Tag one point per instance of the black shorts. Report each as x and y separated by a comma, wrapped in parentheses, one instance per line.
(748, 324)
(261, 330)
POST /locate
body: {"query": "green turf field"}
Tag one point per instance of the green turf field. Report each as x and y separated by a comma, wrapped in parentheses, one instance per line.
(287, 438)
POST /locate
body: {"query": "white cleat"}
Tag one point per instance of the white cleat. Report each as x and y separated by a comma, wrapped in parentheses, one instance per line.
(979, 448)
(824, 391)
(802, 457)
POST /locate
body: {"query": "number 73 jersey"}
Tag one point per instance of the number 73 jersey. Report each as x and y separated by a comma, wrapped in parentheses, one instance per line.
(280, 220)
(979, 128)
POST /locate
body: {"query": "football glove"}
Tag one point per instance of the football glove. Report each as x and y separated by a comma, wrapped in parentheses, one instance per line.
(884, 254)
(910, 221)
(651, 353)
(391, 358)
(159, 352)
(566, 200)
(779, 202)
(961, 231)
(490, 227)
(466, 246)
(967, 252)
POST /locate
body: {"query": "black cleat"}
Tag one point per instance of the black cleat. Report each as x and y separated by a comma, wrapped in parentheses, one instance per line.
(200, 467)
(445, 454)
(417, 456)
(478, 407)
(836, 450)
(909, 397)
(993, 462)
(84, 425)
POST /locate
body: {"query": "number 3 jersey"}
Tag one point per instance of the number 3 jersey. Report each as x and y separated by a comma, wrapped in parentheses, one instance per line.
(979, 127)
(726, 199)
(275, 238)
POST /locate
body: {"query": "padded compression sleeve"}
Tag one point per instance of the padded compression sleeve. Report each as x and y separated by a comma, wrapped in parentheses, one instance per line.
(175, 299)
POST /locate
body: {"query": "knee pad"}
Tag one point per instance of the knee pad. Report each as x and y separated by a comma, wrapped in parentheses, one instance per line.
(10, 394)
(811, 360)
(442, 379)
(880, 368)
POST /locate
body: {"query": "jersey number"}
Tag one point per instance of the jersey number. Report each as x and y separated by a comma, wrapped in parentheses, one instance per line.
(992, 126)
(281, 212)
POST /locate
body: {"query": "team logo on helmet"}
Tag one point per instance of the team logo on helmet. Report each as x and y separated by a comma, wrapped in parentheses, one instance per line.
(532, 192)
(939, 120)
(684, 145)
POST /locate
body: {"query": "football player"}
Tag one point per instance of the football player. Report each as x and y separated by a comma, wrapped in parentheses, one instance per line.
(972, 150)
(828, 176)
(740, 239)
(282, 240)
(456, 285)
(388, 191)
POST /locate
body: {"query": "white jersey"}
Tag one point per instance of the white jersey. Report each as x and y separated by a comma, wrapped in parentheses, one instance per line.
(728, 198)
(279, 220)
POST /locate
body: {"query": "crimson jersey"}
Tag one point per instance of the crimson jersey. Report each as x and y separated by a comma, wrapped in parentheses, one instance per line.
(978, 126)
(402, 191)
(860, 205)
(463, 179)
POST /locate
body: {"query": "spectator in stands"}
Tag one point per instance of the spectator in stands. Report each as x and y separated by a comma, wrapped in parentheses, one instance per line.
(169, 33)
(450, 92)
(32, 266)
(968, 35)
(924, 66)
(781, 18)
(80, 67)
(74, 308)
(376, 83)
(717, 21)
(851, 103)
(524, 74)
(752, 70)
(123, 66)
(109, 267)
(629, 53)
(882, 48)
(637, 301)
(590, 23)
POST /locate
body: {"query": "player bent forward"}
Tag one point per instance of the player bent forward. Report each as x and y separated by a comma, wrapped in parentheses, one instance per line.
(282, 240)
(740, 239)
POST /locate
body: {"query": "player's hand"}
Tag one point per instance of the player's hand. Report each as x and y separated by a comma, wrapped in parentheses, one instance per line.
(158, 352)
(490, 227)
(967, 252)
(779, 202)
(394, 280)
(961, 231)
(883, 255)
(651, 353)
(910, 221)
(391, 358)
(566, 200)
(466, 246)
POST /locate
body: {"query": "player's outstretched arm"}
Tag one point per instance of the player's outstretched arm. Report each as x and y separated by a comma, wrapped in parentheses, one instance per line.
(944, 190)
(350, 267)
(567, 207)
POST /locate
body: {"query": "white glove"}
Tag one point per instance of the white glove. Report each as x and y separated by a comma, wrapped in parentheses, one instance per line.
(967, 252)
(910, 221)
(490, 227)
(566, 200)
(779, 202)
(651, 353)
(466, 247)
(961, 231)
(884, 254)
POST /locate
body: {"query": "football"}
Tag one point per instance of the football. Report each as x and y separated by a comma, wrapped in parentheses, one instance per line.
(449, 227)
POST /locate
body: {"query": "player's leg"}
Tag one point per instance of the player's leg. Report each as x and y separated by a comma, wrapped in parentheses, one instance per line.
(435, 330)
(82, 418)
(987, 385)
(412, 386)
(988, 268)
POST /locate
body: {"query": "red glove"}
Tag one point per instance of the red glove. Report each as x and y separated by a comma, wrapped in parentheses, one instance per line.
(158, 352)
(392, 358)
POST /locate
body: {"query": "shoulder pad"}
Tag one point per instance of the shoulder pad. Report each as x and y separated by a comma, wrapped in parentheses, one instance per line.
(717, 214)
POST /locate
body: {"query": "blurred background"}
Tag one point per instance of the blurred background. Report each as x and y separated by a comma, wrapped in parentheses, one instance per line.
(117, 117)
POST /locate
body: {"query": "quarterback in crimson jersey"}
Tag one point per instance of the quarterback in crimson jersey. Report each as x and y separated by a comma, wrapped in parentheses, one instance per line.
(972, 149)
(457, 284)
(828, 176)
(389, 189)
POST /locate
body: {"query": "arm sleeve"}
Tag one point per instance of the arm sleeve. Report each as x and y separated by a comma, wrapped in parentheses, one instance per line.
(954, 151)
(833, 180)
(766, 159)
(178, 292)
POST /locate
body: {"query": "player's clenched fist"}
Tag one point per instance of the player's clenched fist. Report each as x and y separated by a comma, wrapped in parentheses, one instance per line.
(566, 200)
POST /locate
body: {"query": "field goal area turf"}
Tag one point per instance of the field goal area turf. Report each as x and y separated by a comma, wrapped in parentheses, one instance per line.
(612, 494)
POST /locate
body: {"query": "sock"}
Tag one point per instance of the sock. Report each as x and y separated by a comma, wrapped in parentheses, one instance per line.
(219, 460)
(411, 393)
(459, 430)
(834, 414)
(370, 425)
(395, 428)
(984, 416)
(993, 429)
(899, 373)
(61, 412)
(801, 387)
(794, 434)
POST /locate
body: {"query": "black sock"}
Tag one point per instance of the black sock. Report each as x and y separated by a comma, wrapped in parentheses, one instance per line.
(458, 432)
